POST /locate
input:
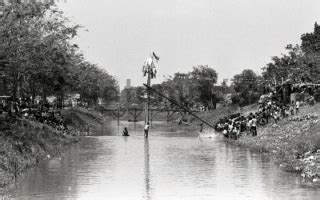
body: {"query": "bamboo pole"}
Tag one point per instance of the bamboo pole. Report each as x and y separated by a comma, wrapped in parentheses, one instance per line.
(180, 106)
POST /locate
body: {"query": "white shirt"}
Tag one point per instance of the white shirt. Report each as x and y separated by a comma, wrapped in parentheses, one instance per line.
(254, 122)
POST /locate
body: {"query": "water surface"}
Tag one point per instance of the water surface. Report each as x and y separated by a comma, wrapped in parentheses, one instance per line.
(171, 164)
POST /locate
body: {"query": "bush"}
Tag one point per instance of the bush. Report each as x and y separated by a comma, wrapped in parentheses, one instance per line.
(316, 144)
(317, 95)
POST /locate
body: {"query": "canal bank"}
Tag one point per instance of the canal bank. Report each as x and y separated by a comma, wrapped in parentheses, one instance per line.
(25, 143)
(294, 143)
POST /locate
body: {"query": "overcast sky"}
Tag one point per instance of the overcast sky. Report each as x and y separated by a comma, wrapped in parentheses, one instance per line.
(227, 35)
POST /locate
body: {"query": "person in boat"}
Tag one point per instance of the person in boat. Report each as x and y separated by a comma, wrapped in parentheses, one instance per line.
(125, 132)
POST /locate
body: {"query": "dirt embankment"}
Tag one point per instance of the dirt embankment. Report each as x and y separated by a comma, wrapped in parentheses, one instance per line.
(294, 143)
(25, 143)
(80, 118)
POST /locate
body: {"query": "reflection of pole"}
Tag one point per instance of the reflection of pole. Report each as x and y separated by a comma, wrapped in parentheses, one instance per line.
(118, 116)
(147, 168)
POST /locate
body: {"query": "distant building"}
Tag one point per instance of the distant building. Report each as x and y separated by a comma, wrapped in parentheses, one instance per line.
(128, 83)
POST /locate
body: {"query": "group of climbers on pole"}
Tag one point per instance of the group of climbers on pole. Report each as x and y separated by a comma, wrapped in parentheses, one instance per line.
(149, 65)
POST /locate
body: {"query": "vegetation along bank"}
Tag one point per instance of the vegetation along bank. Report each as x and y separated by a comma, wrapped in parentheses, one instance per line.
(25, 142)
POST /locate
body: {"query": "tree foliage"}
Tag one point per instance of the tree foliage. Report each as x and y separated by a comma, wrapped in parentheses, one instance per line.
(205, 79)
(42, 60)
(246, 86)
(188, 89)
(301, 63)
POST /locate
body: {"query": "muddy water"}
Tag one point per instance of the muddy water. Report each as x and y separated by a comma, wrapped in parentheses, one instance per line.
(171, 164)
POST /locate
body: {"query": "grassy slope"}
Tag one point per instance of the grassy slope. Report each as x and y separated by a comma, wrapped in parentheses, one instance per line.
(79, 118)
(23, 144)
(293, 143)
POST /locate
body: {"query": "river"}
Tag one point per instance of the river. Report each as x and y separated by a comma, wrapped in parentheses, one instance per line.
(171, 164)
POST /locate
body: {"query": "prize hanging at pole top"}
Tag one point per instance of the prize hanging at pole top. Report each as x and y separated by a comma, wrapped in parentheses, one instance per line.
(149, 65)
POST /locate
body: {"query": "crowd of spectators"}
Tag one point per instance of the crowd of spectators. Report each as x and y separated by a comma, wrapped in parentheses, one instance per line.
(270, 111)
(39, 111)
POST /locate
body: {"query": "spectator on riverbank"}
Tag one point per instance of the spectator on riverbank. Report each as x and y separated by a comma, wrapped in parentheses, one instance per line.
(254, 126)
(311, 100)
(297, 106)
(292, 107)
(275, 109)
(249, 124)
(276, 116)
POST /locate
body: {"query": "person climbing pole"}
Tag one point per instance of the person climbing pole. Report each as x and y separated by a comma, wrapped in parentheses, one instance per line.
(146, 130)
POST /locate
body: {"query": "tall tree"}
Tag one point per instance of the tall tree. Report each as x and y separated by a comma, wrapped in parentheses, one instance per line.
(42, 60)
(311, 47)
(246, 86)
(205, 79)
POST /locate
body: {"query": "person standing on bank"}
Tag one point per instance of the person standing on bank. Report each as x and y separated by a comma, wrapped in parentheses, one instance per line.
(146, 130)
(297, 106)
(254, 126)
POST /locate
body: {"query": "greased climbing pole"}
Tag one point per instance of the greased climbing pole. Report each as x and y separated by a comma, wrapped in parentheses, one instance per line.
(149, 70)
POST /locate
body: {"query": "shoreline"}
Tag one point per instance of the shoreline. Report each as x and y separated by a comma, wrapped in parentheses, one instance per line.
(303, 167)
(26, 143)
(25, 146)
(294, 143)
(30, 143)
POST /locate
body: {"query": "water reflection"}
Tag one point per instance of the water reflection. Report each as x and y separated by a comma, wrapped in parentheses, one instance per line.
(147, 169)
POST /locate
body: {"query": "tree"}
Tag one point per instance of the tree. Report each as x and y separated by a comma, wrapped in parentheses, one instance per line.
(288, 66)
(246, 86)
(302, 63)
(42, 60)
(205, 78)
(310, 46)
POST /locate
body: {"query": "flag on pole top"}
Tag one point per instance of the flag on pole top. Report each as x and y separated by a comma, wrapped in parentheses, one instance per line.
(155, 56)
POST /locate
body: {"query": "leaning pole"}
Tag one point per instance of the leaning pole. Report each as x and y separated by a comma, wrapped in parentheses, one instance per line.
(179, 105)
